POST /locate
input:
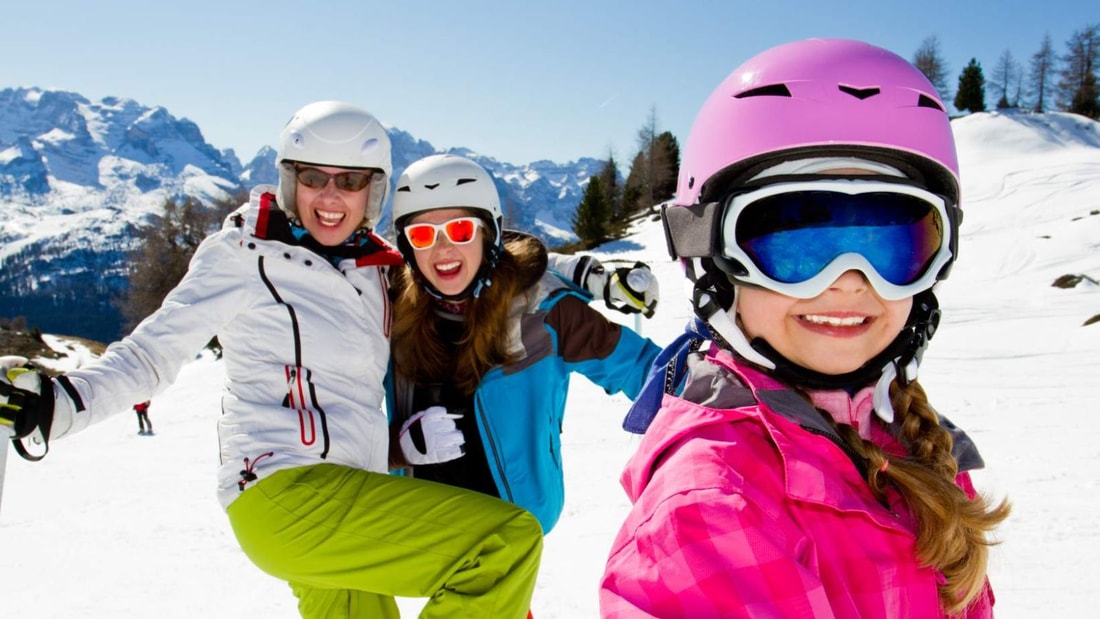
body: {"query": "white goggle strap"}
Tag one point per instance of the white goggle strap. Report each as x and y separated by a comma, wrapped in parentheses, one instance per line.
(725, 326)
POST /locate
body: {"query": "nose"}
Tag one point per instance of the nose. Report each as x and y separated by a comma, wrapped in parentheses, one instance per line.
(851, 281)
(330, 186)
(443, 244)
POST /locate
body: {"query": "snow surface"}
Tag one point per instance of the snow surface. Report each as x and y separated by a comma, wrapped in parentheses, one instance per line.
(112, 524)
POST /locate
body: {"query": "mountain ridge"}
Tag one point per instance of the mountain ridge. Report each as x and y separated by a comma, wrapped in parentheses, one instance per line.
(78, 178)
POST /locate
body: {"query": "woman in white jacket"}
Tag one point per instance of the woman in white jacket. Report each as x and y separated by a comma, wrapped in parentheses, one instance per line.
(294, 286)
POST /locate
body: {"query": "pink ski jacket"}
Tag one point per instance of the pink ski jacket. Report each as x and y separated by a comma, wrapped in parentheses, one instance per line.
(745, 507)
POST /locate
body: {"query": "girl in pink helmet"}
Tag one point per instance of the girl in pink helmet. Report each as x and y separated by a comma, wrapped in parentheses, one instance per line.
(792, 465)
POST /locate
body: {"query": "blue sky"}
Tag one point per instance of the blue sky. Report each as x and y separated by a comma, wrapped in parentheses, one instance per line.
(518, 81)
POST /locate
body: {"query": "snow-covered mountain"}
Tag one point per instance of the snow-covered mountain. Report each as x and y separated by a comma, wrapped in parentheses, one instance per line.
(79, 177)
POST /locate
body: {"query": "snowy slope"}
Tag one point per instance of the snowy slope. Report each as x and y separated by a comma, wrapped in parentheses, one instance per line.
(116, 525)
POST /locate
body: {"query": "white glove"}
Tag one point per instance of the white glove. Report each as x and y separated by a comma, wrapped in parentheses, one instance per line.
(431, 437)
(631, 290)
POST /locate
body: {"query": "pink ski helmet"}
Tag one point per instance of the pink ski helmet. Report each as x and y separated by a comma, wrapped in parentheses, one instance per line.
(813, 98)
(809, 99)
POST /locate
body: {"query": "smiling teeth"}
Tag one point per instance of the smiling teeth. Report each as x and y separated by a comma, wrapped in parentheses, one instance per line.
(450, 266)
(848, 321)
(330, 218)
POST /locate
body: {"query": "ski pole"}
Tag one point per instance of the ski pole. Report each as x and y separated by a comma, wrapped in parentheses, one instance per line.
(3, 462)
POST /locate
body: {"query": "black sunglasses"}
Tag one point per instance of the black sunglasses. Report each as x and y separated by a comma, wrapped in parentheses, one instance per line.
(345, 181)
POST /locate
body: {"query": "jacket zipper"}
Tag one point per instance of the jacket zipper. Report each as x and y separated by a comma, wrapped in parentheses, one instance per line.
(859, 461)
(491, 442)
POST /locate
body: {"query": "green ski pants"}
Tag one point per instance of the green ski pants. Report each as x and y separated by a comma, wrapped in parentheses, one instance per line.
(348, 541)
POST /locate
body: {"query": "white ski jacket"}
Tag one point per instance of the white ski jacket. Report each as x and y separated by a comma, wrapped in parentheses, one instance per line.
(306, 346)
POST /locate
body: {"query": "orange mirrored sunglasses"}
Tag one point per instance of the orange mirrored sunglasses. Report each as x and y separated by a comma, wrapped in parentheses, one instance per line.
(459, 231)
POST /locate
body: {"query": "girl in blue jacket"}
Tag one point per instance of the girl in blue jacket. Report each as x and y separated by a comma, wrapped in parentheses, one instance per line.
(485, 337)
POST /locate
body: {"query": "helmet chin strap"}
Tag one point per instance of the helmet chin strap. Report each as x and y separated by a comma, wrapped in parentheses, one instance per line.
(473, 289)
(715, 298)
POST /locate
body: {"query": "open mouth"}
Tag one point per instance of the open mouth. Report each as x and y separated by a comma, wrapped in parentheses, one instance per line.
(835, 321)
(446, 269)
(328, 218)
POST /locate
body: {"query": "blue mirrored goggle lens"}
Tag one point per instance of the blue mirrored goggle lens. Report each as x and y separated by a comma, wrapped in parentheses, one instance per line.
(791, 237)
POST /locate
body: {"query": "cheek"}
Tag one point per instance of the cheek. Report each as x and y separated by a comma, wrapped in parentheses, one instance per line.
(761, 312)
(423, 260)
(475, 253)
(897, 313)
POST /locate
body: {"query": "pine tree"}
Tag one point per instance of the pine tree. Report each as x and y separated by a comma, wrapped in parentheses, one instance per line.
(163, 254)
(612, 188)
(971, 94)
(1077, 86)
(636, 187)
(652, 176)
(613, 194)
(1086, 101)
(666, 152)
(592, 219)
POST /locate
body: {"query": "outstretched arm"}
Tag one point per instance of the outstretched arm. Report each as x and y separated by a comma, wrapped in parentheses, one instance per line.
(630, 288)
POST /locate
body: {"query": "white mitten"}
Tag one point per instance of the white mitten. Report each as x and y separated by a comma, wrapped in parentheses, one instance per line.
(431, 437)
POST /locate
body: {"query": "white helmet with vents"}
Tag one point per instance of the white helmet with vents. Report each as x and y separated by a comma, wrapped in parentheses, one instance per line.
(445, 181)
(449, 181)
(334, 134)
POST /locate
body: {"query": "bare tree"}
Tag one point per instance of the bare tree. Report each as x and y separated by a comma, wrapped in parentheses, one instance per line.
(1004, 73)
(1018, 83)
(1041, 75)
(930, 62)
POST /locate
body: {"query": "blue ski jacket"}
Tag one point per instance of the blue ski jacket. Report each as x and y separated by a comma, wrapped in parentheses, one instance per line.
(520, 406)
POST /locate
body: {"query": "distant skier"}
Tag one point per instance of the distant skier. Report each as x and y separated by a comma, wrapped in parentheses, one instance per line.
(145, 426)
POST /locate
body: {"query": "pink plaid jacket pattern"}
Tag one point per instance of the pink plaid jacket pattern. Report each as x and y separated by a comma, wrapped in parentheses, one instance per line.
(740, 512)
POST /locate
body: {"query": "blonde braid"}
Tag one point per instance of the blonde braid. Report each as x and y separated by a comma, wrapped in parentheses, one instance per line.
(952, 527)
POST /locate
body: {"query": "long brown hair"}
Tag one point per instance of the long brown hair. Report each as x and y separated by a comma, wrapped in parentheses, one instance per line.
(953, 528)
(421, 355)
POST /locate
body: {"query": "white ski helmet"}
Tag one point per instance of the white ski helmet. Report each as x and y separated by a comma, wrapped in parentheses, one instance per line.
(445, 181)
(448, 181)
(336, 134)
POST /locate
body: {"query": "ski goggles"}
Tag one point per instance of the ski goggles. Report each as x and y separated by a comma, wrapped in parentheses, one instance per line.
(344, 181)
(798, 238)
(459, 231)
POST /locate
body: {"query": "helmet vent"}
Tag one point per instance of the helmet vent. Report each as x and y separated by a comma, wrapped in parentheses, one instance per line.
(431, 186)
(926, 101)
(859, 93)
(463, 181)
(772, 90)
